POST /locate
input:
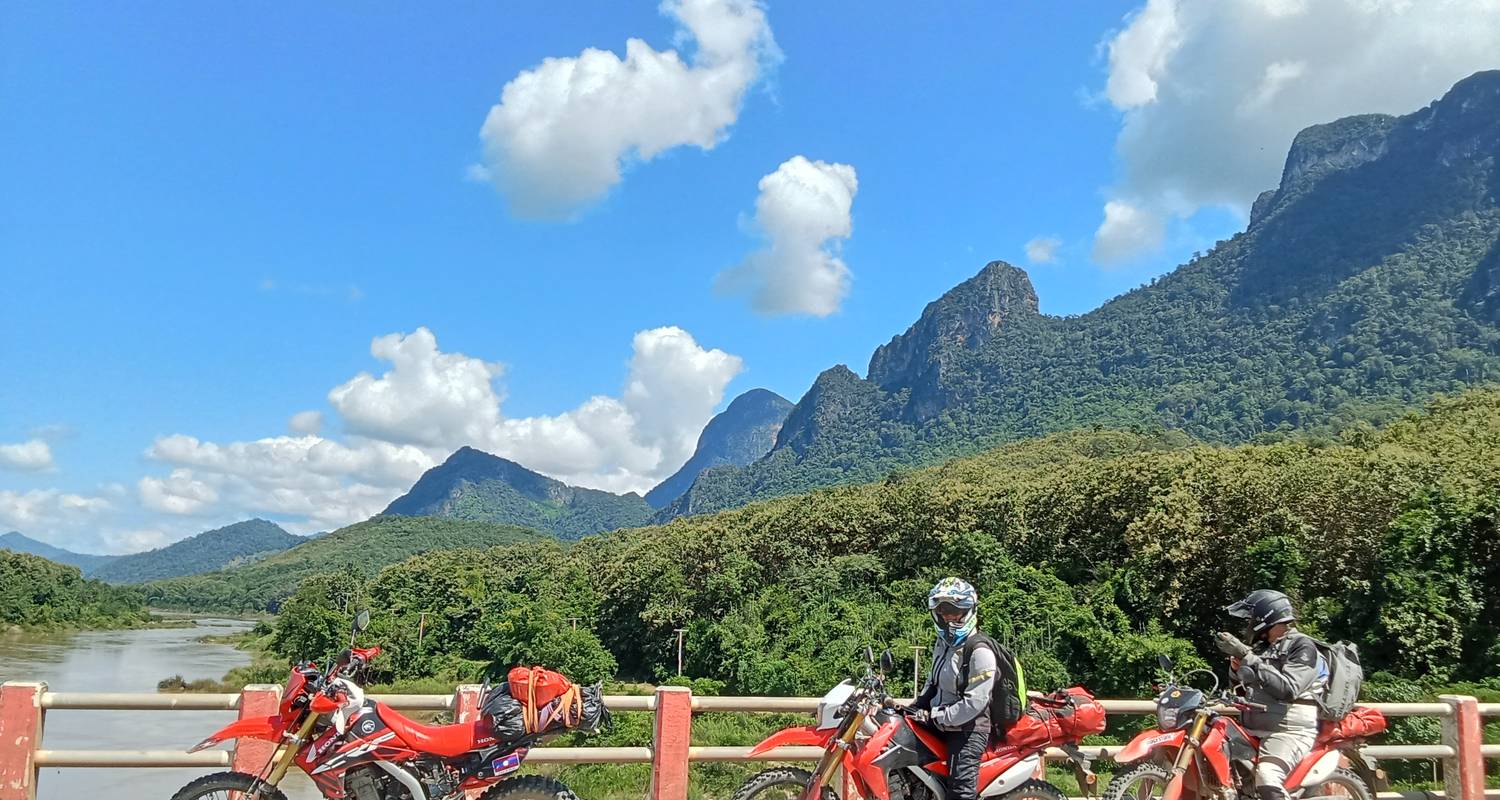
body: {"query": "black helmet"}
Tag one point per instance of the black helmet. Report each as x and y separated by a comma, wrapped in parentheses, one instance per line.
(1262, 609)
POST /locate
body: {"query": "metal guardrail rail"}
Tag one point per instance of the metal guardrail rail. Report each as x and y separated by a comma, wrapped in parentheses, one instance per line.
(23, 706)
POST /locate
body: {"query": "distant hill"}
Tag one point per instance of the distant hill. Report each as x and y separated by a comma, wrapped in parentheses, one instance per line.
(239, 543)
(475, 485)
(364, 547)
(1365, 282)
(19, 543)
(741, 433)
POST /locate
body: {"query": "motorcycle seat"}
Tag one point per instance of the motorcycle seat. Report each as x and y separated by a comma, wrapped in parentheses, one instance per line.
(446, 741)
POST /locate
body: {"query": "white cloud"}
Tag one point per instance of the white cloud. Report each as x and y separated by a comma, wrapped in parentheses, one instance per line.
(1213, 91)
(427, 398)
(803, 211)
(1043, 249)
(629, 444)
(428, 404)
(178, 493)
(1127, 232)
(563, 130)
(33, 455)
(42, 511)
(306, 422)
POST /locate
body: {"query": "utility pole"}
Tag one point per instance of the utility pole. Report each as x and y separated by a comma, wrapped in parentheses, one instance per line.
(574, 621)
(421, 628)
(680, 633)
(916, 670)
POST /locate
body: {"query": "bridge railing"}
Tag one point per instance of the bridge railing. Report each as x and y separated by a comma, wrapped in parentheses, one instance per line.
(23, 707)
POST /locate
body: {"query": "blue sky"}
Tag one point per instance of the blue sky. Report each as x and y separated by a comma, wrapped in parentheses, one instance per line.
(211, 211)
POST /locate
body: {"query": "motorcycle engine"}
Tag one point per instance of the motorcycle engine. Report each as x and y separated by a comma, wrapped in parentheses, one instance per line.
(440, 780)
(904, 787)
(372, 783)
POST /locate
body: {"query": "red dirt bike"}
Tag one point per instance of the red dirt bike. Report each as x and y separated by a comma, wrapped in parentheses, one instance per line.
(1197, 753)
(888, 756)
(357, 748)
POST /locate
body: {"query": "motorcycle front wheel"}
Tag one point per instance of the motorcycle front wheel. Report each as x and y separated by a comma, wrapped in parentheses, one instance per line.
(781, 783)
(227, 786)
(1140, 782)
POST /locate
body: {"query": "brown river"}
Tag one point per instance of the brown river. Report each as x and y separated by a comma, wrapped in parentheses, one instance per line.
(125, 661)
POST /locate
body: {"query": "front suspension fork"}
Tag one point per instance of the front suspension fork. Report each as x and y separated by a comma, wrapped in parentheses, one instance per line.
(1184, 759)
(833, 756)
(288, 752)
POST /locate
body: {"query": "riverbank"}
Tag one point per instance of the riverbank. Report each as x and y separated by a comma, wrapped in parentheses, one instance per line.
(122, 660)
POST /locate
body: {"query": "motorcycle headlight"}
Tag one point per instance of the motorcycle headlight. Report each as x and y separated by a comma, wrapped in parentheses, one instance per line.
(1166, 718)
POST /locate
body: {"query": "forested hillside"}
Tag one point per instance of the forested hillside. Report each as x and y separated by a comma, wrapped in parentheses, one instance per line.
(361, 549)
(37, 593)
(239, 543)
(1369, 279)
(1094, 551)
(475, 485)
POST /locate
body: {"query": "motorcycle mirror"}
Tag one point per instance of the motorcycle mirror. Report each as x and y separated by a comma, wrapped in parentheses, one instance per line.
(869, 655)
(1165, 662)
(887, 661)
(361, 620)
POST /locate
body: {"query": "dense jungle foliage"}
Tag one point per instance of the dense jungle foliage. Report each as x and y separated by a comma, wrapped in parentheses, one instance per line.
(41, 594)
(1093, 551)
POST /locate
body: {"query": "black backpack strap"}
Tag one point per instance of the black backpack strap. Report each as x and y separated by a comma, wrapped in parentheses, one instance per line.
(972, 641)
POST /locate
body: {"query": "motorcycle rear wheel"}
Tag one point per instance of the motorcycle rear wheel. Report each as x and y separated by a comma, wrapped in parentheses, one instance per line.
(1344, 783)
(1138, 783)
(1035, 789)
(779, 783)
(529, 787)
(227, 786)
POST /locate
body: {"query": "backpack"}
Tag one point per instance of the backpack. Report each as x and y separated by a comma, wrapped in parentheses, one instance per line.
(536, 688)
(1008, 700)
(1345, 677)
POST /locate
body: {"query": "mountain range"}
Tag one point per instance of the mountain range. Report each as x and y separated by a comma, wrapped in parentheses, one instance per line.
(475, 485)
(240, 543)
(741, 433)
(1366, 281)
(20, 543)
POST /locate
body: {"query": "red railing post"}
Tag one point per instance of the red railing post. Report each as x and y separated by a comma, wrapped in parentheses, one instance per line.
(466, 703)
(466, 709)
(20, 736)
(252, 756)
(1463, 775)
(672, 737)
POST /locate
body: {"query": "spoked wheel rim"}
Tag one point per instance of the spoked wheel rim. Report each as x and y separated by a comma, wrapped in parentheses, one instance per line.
(782, 790)
(1144, 787)
(1139, 783)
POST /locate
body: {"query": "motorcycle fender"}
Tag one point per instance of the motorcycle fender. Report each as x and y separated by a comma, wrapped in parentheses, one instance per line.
(805, 735)
(1146, 741)
(1214, 751)
(267, 728)
(1018, 773)
(1318, 767)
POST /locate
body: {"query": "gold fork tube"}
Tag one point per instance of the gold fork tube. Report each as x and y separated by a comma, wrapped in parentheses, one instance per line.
(835, 754)
(289, 750)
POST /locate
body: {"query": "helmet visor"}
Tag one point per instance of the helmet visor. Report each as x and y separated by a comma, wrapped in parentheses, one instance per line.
(948, 609)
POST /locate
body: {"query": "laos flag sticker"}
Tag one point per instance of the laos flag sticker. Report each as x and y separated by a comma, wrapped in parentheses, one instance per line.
(510, 763)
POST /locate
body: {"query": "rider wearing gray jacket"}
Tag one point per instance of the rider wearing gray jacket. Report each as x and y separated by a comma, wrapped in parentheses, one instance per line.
(958, 707)
(1284, 672)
